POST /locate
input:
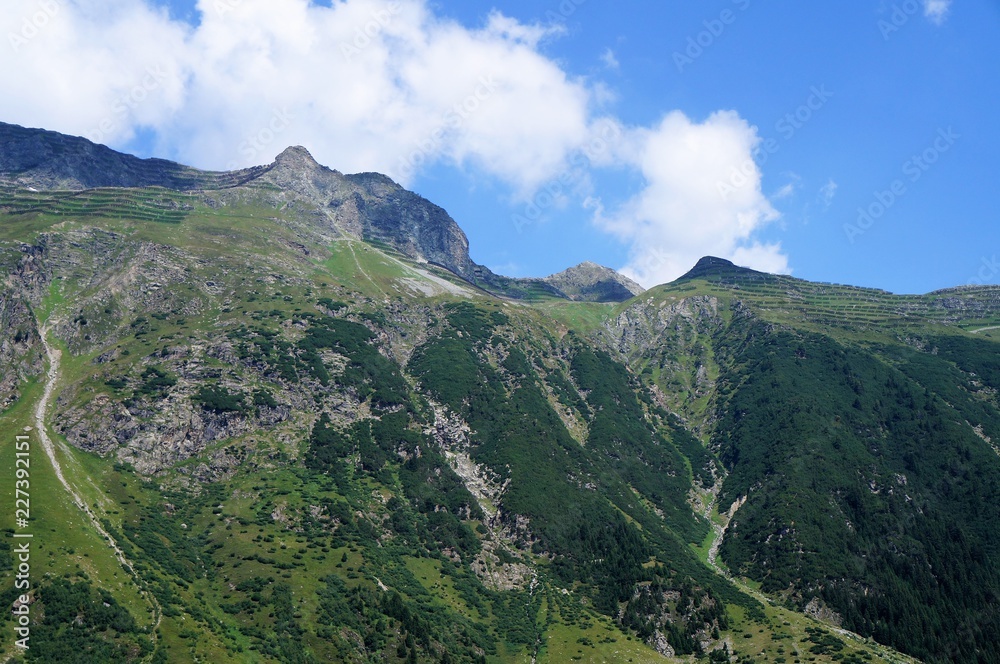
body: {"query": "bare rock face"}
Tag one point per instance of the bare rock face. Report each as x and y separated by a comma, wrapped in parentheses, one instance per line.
(817, 608)
(21, 355)
(20, 350)
(591, 282)
(370, 206)
(659, 643)
(46, 160)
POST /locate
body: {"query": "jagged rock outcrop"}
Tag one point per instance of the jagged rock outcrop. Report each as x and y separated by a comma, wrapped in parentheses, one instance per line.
(371, 206)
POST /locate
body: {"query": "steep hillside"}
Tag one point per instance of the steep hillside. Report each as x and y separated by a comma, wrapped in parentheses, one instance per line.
(287, 419)
(416, 467)
(855, 429)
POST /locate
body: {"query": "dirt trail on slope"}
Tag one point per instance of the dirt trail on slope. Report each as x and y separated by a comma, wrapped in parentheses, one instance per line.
(719, 532)
(364, 273)
(41, 415)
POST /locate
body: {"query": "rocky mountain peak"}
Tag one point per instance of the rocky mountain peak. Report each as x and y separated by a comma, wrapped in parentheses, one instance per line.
(592, 282)
(297, 157)
(364, 206)
(712, 266)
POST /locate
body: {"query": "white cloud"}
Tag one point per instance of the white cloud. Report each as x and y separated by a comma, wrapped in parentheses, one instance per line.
(610, 60)
(827, 193)
(366, 85)
(680, 215)
(97, 69)
(937, 10)
(393, 87)
(786, 191)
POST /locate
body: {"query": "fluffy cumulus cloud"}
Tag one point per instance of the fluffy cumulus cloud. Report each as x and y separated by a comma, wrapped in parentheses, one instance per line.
(367, 85)
(936, 10)
(96, 68)
(373, 85)
(701, 196)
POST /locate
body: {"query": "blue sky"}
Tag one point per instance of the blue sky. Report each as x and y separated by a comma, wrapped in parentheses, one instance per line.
(846, 142)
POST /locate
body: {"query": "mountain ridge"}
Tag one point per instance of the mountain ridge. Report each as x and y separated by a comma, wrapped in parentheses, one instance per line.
(368, 206)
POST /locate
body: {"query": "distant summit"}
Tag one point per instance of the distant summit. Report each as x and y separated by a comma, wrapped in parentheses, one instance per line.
(296, 156)
(711, 266)
(594, 283)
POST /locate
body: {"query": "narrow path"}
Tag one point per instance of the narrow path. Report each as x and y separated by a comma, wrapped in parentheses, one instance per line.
(41, 415)
(350, 245)
(985, 329)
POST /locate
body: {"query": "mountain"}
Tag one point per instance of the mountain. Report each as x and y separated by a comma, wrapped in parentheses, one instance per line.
(595, 283)
(46, 160)
(283, 417)
(366, 206)
(711, 267)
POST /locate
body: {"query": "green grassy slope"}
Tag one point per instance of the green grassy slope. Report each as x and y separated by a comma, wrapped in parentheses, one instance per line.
(321, 451)
(856, 431)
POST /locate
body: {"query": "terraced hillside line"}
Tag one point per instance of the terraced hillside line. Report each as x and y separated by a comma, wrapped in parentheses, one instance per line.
(41, 415)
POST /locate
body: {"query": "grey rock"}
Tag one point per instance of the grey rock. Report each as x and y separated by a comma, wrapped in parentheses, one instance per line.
(591, 282)
(46, 160)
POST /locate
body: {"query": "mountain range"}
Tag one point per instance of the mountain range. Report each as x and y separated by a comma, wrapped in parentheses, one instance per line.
(280, 415)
